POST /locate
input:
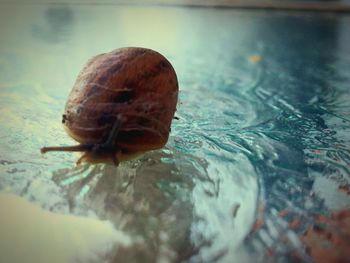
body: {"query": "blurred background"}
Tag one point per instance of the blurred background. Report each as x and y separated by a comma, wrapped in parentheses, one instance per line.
(256, 168)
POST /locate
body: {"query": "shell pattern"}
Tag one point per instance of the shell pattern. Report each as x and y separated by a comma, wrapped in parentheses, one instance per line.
(137, 87)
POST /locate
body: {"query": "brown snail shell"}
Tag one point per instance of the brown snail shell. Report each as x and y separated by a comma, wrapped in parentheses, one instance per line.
(122, 104)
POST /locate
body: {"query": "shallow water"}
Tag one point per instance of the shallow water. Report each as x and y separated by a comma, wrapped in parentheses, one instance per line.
(263, 128)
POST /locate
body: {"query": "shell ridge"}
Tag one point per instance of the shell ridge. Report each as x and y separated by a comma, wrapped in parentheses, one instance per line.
(138, 85)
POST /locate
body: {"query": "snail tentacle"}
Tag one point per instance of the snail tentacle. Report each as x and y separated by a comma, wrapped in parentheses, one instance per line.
(115, 158)
(92, 149)
(114, 132)
(74, 148)
(81, 159)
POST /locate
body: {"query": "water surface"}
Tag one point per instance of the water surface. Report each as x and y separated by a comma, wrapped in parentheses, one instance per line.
(262, 136)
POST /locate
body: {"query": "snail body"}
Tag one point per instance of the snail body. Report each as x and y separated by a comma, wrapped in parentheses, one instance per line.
(121, 104)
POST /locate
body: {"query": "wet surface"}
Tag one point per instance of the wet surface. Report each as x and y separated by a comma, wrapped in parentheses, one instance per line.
(257, 160)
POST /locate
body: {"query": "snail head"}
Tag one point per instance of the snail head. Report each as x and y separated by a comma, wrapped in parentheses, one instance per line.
(95, 152)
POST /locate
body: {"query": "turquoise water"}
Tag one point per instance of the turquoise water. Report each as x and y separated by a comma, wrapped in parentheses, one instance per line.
(264, 122)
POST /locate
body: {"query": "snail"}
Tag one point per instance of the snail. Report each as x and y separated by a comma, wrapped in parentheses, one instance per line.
(121, 105)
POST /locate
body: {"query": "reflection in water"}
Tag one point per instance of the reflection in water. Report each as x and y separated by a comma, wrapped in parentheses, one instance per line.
(153, 200)
(30, 234)
(56, 26)
(149, 198)
(263, 126)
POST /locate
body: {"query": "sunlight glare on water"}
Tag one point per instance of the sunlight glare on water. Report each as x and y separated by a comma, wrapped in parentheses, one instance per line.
(262, 128)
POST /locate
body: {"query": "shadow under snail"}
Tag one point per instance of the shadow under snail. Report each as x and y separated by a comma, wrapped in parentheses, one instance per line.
(121, 105)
